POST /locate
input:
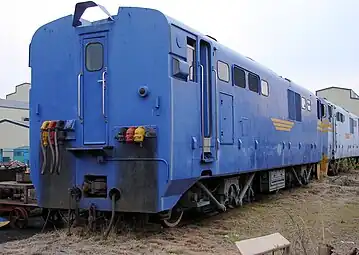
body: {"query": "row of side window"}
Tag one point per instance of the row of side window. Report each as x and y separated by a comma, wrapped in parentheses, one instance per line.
(223, 72)
(241, 77)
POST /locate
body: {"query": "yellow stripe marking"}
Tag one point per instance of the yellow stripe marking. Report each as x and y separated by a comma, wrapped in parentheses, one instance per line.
(282, 129)
(324, 126)
(282, 121)
(282, 125)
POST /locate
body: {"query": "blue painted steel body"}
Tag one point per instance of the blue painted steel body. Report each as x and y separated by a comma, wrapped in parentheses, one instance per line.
(247, 131)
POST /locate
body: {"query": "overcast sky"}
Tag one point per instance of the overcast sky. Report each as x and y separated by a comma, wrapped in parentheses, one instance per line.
(314, 43)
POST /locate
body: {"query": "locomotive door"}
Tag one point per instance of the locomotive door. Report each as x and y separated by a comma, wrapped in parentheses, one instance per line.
(207, 98)
(94, 66)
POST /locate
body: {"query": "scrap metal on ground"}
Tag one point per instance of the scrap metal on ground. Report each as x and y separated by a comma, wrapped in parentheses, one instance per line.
(17, 194)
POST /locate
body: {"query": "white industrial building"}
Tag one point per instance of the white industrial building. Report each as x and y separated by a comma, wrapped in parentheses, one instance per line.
(14, 120)
(21, 93)
(343, 97)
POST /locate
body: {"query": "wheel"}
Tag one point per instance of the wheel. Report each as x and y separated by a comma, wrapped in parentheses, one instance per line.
(174, 220)
(18, 218)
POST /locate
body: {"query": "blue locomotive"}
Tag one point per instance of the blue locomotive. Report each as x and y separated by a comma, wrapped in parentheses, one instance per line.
(141, 113)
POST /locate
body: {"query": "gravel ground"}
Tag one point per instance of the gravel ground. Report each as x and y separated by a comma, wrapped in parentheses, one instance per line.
(323, 212)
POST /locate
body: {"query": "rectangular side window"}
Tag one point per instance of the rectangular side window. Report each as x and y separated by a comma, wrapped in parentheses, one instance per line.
(330, 110)
(304, 103)
(309, 105)
(294, 106)
(298, 109)
(223, 71)
(351, 123)
(291, 105)
(318, 109)
(355, 125)
(253, 82)
(239, 77)
(324, 112)
(191, 56)
(264, 88)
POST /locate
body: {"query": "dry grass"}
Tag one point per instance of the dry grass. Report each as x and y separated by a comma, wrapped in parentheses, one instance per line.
(326, 211)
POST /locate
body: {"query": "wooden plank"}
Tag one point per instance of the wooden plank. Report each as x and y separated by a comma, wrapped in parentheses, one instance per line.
(263, 244)
(16, 185)
(8, 202)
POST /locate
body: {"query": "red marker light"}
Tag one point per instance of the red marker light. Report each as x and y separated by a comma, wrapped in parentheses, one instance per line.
(129, 134)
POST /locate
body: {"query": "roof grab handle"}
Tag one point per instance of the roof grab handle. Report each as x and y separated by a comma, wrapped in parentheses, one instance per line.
(81, 7)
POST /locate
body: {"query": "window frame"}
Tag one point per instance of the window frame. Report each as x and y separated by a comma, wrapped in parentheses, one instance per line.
(323, 113)
(218, 73)
(233, 76)
(190, 46)
(330, 112)
(258, 84)
(338, 117)
(304, 107)
(309, 105)
(318, 110)
(351, 125)
(297, 104)
(102, 56)
(267, 84)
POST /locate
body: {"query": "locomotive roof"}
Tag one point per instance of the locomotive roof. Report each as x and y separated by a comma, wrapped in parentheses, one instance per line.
(254, 65)
(248, 62)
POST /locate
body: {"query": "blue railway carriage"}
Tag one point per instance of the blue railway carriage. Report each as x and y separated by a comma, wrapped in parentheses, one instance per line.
(342, 131)
(141, 113)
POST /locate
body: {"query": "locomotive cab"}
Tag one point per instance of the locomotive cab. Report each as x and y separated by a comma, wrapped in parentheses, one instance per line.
(99, 96)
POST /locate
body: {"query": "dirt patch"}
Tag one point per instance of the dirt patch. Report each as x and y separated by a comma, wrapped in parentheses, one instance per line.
(326, 211)
(345, 180)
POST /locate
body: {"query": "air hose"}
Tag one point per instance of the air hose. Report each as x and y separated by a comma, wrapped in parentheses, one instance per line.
(112, 215)
(44, 142)
(43, 149)
(74, 195)
(69, 215)
(52, 154)
(59, 127)
(56, 153)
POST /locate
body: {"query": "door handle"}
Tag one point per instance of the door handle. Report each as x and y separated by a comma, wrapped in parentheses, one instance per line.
(79, 95)
(202, 108)
(103, 82)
